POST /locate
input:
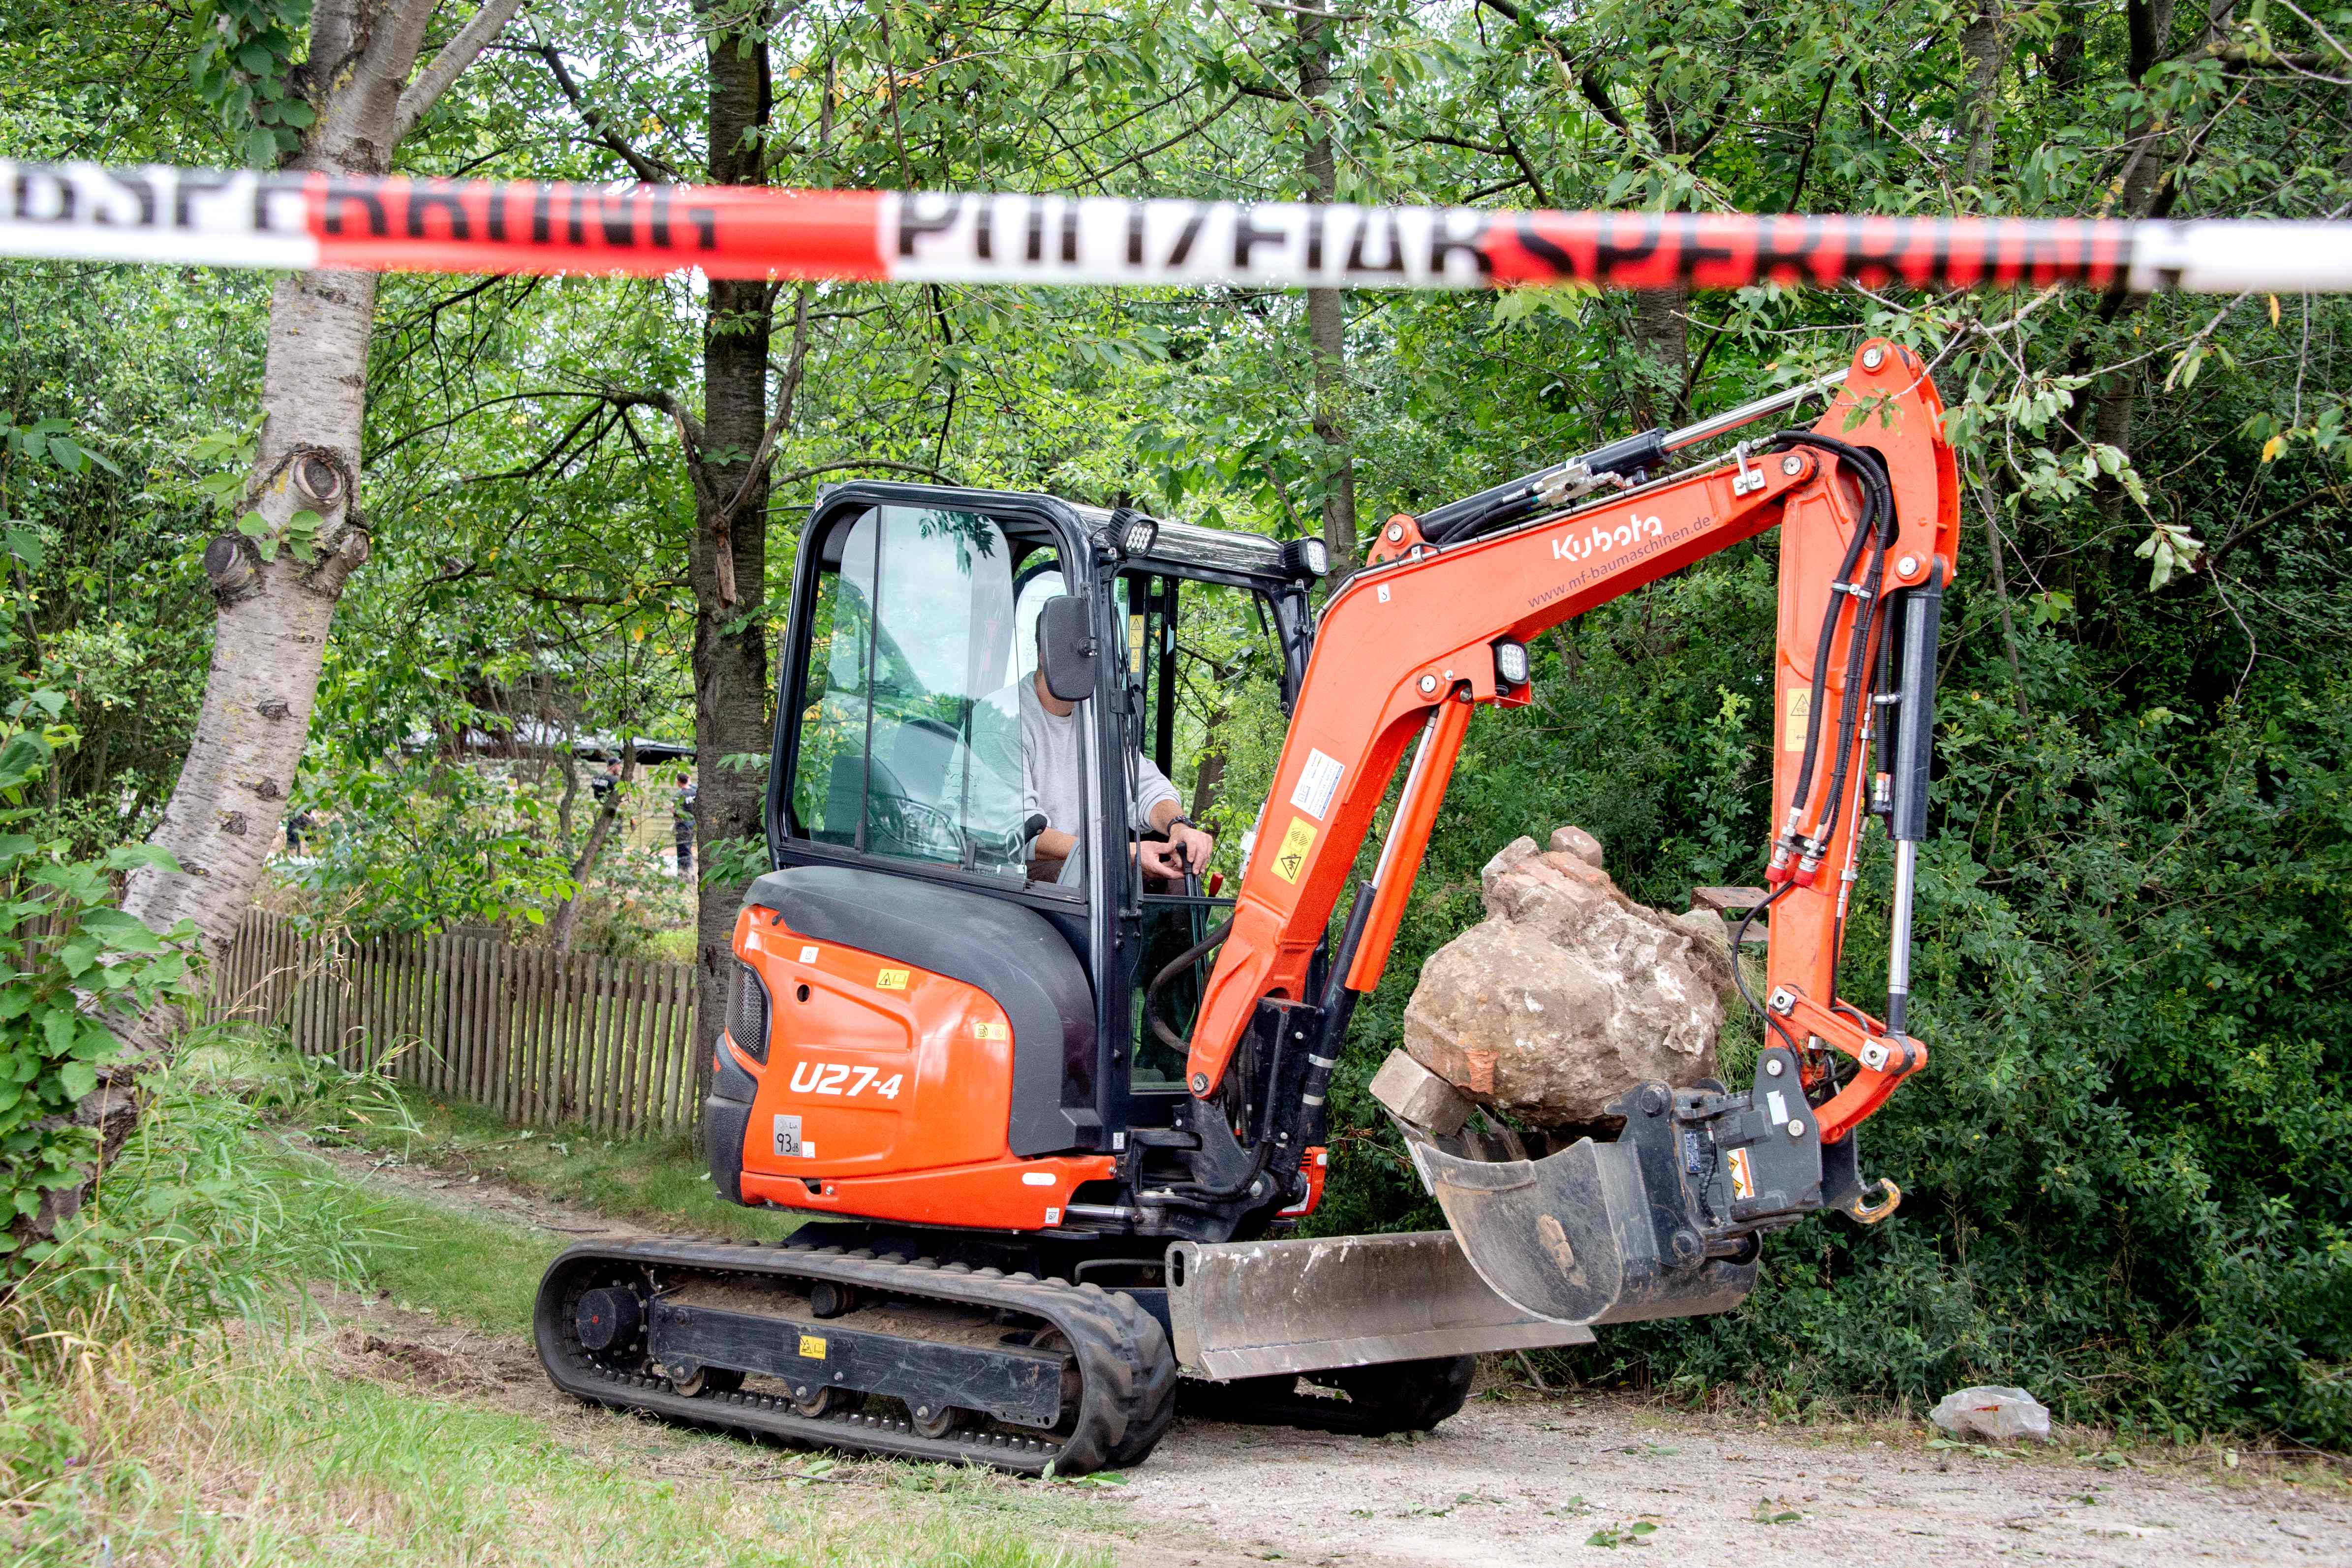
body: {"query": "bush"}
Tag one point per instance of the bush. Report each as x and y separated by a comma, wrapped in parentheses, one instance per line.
(68, 962)
(201, 1223)
(2129, 1165)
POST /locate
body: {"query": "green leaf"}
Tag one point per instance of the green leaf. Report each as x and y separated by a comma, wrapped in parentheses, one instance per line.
(253, 524)
(78, 1078)
(24, 754)
(129, 857)
(125, 933)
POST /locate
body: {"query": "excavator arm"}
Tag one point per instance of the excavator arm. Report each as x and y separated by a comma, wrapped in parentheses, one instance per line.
(1437, 623)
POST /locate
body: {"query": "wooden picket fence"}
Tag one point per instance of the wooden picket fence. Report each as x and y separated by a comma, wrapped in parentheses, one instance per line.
(542, 1038)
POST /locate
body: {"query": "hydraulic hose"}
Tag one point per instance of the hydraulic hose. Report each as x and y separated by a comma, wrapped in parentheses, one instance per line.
(1875, 528)
(1175, 967)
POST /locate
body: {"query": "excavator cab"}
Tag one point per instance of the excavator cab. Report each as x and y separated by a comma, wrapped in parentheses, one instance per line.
(962, 1026)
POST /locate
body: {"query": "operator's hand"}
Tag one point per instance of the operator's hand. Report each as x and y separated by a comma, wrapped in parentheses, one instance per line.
(1186, 852)
(1163, 861)
(1195, 845)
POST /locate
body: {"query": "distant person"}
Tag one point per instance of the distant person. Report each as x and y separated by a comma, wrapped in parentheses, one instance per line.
(604, 783)
(681, 823)
(295, 826)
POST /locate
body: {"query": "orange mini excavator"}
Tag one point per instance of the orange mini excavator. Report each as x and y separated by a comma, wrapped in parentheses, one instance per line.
(1060, 1117)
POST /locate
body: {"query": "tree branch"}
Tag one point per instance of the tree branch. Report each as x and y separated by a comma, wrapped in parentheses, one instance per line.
(463, 48)
(786, 393)
(599, 125)
(797, 475)
(689, 429)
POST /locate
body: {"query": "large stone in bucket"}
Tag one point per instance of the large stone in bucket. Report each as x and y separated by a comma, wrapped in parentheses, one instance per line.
(1569, 993)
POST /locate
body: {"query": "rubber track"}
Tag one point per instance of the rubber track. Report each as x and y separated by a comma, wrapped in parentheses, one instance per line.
(1127, 1372)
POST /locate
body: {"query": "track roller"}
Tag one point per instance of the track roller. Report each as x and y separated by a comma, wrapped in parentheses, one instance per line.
(849, 1350)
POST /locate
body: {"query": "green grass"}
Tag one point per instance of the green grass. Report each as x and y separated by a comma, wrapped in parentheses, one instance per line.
(458, 1267)
(659, 1183)
(248, 1456)
(170, 1396)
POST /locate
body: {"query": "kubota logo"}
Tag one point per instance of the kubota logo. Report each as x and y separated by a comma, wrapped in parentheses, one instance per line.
(1634, 530)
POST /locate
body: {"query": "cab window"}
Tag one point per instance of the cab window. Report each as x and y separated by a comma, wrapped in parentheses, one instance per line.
(910, 726)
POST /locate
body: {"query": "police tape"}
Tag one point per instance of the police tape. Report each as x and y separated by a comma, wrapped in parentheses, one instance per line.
(305, 221)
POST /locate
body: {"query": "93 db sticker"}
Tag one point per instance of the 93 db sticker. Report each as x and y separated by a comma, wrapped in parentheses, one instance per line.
(1291, 858)
(790, 1145)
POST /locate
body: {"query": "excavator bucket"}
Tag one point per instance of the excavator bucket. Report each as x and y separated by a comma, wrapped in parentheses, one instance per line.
(1596, 1233)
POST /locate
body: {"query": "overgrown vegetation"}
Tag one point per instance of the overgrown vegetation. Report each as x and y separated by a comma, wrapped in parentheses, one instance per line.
(659, 1184)
(169, 1392)
(2129, 1165)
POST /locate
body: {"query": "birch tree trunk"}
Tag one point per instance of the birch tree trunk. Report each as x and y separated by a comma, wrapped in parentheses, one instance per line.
(275, 602)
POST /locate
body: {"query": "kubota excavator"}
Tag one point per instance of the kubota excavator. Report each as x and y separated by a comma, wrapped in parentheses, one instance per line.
(1046, 1202)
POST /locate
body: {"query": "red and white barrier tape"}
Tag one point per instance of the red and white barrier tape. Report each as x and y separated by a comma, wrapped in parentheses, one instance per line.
(86, 211)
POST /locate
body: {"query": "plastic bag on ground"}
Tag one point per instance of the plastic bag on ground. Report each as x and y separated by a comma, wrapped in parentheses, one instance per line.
(2001, 1414)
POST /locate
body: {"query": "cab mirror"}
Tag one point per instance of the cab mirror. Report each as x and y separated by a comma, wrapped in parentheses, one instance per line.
(1066, 648)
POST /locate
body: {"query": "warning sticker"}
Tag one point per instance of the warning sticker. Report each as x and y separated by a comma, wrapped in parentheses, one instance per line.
(984, 1029)
(1291, 858)
(812, 1347)
(808, 954)
(1743, 1178)
(1317, 782)
(1792, 725)
(890, 980)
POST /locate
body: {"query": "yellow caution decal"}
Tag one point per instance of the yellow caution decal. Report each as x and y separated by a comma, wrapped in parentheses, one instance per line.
(890, 980)
(812, 1347)
(1291, 858)
(1800, 709)
(1743, 1176)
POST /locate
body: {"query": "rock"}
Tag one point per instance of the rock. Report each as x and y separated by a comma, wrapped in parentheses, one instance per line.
(1569, 993)
(1574, 841)
(2001, 1414)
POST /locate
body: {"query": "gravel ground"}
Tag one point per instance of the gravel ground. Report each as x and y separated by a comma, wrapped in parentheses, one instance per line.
(1516, 1485)
(1525, 1480)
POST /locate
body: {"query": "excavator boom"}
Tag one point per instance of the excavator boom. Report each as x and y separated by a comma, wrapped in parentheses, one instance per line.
(1867, 502)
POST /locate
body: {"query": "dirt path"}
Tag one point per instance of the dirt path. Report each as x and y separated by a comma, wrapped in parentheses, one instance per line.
(1522, 1480)
(1527, 1483)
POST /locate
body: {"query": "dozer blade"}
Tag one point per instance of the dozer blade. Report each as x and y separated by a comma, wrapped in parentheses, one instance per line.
(1597, 1233)
(1252, 1309)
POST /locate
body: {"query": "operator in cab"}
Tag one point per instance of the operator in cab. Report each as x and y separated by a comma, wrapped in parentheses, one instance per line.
(1053, 785)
